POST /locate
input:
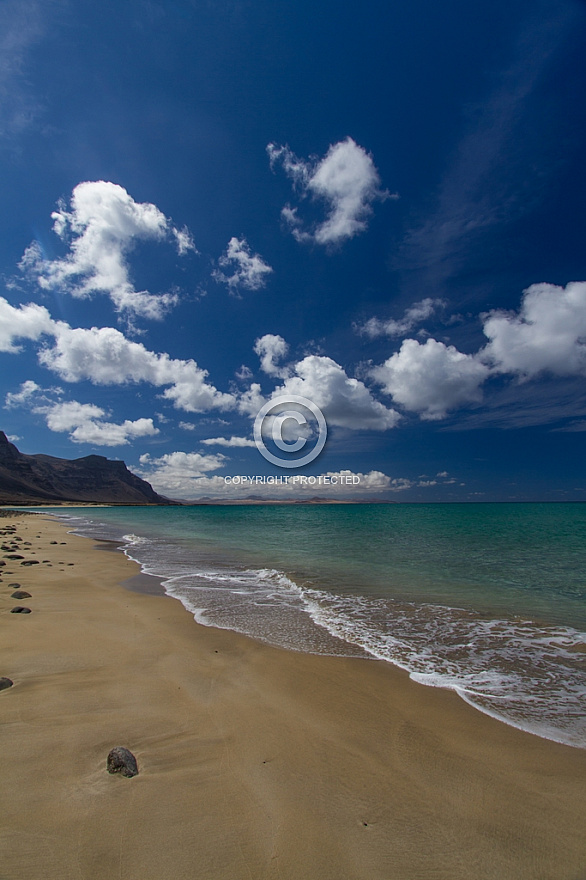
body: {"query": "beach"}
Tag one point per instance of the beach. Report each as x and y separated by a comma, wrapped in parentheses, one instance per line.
(254, 761)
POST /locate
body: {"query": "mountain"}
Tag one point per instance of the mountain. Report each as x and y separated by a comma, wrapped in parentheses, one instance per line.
(41, 479)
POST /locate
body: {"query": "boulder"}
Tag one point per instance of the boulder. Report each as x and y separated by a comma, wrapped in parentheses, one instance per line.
(121, 760)
(21, 594)
(20, 610)
(5, 683)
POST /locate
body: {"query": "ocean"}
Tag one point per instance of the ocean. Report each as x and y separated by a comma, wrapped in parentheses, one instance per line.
(488, 600)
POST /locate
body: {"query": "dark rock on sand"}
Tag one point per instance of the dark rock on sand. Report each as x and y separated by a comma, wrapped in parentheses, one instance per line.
(5, 683)
(13, 586)
(20, 610)
(30, 562)
(12, 556)
(21, 594)
(121, 760)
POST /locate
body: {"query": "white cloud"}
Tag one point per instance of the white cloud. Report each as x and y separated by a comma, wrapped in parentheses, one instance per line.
(346, 179)
(432, 378)
(270, 349)
(345, 402)
(102, 227)
(108, 434)
(548, 333)
(106, 357)
(232, 442)
(244, 373)
(184, 241)
(416, 313)
(28, 390)
(70, 415)
(251, 400)
(248, 270)
(84, 421)
(185, 476)
(179, 474)
(25, 322)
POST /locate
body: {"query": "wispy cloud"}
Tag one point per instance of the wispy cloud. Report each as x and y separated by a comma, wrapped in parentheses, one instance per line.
(413, 316)
(486, 182)
(21, 27)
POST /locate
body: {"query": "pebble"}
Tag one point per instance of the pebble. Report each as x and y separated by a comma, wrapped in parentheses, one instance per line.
(121, 760)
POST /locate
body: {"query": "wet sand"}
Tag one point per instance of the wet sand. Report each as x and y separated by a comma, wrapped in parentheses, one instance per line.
(254, 762)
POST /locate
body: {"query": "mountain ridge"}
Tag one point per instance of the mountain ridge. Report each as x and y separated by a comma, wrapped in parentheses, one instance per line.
(41, 479)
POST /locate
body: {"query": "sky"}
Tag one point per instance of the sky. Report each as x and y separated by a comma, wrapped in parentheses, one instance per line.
(209, 205)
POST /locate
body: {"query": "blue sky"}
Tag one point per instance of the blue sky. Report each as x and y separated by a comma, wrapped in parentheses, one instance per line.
(210, 204)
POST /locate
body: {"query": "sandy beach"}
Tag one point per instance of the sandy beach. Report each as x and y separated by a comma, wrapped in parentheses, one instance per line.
(254, 762)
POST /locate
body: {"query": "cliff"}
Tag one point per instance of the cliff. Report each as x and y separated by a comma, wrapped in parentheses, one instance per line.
(41, 479)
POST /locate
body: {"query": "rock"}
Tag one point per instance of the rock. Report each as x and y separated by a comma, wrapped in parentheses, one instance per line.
(30, 562)
(20, 610)
(2, 562)
(121, 760)
(13, 586)
(5, 683)
(12, 556)
(53, 542)
(21, 594)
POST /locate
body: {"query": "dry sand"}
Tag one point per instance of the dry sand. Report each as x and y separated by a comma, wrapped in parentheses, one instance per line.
(254, 762)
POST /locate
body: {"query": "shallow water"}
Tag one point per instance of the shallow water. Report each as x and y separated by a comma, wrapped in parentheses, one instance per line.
(486, 599)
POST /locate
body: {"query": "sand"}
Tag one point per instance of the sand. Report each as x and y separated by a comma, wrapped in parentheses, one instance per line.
(254, 762)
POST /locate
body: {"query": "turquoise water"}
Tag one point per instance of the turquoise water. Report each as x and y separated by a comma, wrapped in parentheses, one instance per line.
(485, 599)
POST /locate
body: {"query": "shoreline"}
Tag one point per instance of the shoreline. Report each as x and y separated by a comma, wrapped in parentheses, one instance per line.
(254, 761)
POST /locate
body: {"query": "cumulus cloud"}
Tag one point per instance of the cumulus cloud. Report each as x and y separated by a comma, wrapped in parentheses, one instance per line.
(231, 442)
(432, 378)
(270, 349)
(22, 322)
(185, 476)
(85, 422)
(106, 357)
(416, 313)
(251, 400)
(547, 334)
(248, 270)
(344, 401)
(179, 474)
(28, 390)
(103, 225)
(346, 179)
